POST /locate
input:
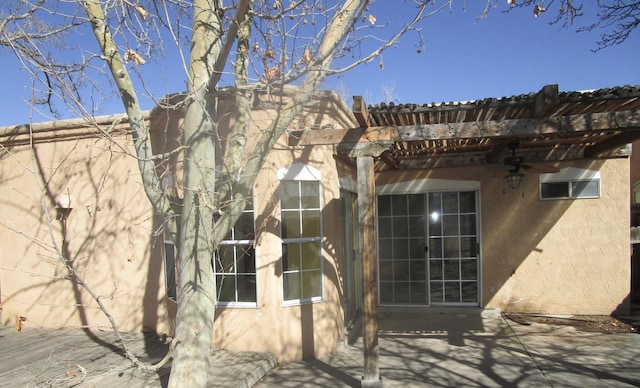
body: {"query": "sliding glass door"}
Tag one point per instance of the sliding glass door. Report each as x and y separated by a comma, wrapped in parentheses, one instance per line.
(428, 249)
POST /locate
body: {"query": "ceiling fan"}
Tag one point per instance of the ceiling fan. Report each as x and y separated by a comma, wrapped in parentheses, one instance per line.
(516, 163)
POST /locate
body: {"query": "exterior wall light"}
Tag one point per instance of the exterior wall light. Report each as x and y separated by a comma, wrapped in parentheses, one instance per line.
(514, 179)
(63, 207)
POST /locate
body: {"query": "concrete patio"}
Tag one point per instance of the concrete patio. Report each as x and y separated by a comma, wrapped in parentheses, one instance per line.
(471, 348)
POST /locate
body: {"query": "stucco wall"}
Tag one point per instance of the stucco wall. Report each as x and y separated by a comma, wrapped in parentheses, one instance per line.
(115, 241)
(560, 256)
(291, 332)
(553, 257)
(109, 238)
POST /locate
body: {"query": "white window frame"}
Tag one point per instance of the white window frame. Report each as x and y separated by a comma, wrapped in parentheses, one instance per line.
(238, 244)
(301, 172)
(570, 176)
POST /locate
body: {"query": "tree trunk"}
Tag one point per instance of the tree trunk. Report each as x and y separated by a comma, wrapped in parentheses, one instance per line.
(197, 289)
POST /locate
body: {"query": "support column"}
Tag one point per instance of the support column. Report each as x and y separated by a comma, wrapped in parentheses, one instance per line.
(368, 248)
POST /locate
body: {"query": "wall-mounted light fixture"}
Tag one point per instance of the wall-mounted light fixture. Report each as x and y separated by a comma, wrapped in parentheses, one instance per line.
(63, 207)
(514, 178)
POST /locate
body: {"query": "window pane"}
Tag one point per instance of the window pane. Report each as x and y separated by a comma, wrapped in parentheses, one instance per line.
(435, 203)
(468, 224)
(469, 269)
(312, 284)
(301, 220)
(310, 197)
(450, 203)
(435, 247)
(418, 270)
(435, 270)
(244, 227)
(435, 224)
(452, 292)
(224, 259)
(402, 292)
(384, 227)
(386, 292)
(470, 292)
(416, 248)
(554, 190)
(311, 223)
(246, 288)
(451, 270)
(170, 270)
(468, 247)
(450, 225)
(289, 195)
(290, 224)
(451, 247)
(384, 205)
(311, 255)
(416, 226)
(582, 189)
(418, 292)
(232, 259)
(245, 259)
(226, 288)
(400, 227)
(385, 249)
(290, 257)
(401, 270)
(437, 292)
(399, 204)
(291, 286)
(416, 203)
(386, 270)
(401, 249)
(468, 202)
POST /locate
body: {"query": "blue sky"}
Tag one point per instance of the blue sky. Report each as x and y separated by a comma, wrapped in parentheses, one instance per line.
(463, 59)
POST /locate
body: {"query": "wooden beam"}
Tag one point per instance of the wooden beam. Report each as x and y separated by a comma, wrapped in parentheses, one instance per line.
(546, 101)
(368, 249)
(360, 112)
(337, 136)
(498, 149)
(604, 147)
(623, 120)
(354, 150)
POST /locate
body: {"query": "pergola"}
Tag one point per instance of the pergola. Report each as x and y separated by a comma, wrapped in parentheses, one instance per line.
(548, 126)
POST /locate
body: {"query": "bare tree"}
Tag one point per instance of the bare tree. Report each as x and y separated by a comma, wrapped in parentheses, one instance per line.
(240, 44)
(616, 18)
(245, 44)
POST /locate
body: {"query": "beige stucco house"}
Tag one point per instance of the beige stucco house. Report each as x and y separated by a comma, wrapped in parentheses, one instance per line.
(518, 203)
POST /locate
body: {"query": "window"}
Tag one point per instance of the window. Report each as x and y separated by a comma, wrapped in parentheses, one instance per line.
(234, 263)
(570, 183)
(301, 231)
(170, 268)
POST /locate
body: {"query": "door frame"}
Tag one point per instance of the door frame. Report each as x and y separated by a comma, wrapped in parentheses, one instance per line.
(425, 186)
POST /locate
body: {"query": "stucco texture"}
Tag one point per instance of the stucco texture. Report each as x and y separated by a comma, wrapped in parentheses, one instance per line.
(109, 238)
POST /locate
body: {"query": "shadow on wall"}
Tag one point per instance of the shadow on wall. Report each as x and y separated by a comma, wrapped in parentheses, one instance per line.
(514, 223)
(96, 237)
(319, 324)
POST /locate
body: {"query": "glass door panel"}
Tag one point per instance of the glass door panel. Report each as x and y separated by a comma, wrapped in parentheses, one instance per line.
(428, 248)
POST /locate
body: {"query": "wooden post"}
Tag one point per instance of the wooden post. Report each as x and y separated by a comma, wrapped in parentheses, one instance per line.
(368, 247)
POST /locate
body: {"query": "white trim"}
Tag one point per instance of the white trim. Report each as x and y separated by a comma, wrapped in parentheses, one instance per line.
(427, 185)
(570, 174)
(299, 172)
